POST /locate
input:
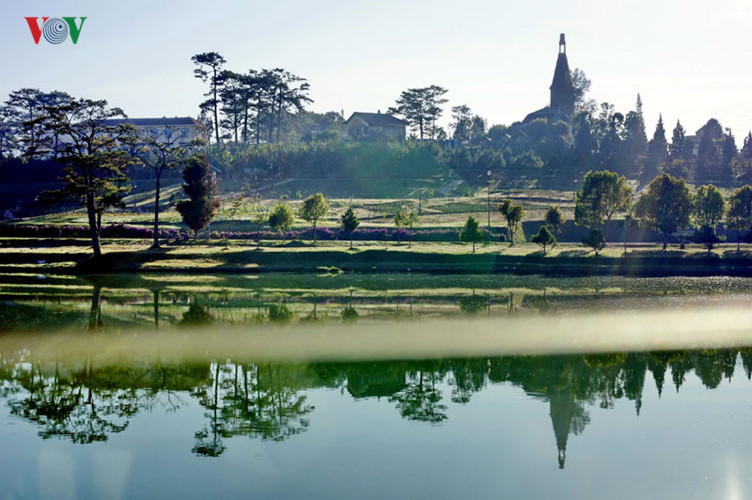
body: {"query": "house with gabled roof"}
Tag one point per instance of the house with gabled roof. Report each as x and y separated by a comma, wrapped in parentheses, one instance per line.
(375, 126)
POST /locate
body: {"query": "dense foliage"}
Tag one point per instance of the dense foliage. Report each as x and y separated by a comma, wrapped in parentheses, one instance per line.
(544, 237)
(471, 233)
(200, 187)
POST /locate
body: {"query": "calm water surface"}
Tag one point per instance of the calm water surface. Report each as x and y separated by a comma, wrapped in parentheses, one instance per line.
(87, 424)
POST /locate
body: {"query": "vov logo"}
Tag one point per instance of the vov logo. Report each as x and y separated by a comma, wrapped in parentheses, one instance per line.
(55, 30)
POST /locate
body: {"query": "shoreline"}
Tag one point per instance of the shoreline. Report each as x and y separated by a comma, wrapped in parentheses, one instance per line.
(298, 257)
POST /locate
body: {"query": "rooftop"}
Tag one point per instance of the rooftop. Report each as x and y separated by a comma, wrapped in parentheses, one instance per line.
(156, 122)
(377, 119)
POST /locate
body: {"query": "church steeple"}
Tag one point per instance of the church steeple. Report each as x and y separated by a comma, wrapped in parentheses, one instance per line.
(562, 90)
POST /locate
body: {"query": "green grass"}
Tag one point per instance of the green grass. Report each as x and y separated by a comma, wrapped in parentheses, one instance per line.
(442, 211)
(330, 257)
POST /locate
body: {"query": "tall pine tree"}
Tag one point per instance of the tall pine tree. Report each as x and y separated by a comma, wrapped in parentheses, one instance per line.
(657, 152)
(678, 142)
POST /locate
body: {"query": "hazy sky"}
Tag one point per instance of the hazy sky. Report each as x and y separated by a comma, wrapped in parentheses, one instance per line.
(688, 59)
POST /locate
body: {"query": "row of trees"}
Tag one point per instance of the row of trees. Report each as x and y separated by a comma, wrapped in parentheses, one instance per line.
(666, 205)
(248, 106)
(253, 107)
(313, 209)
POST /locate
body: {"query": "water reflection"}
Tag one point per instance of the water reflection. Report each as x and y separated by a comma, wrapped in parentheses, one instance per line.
(117, 302)
(85, 403)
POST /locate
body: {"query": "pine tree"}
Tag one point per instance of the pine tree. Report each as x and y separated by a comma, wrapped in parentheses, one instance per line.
(350, 222)
(209, 69)
(746, 151)
(544, 238)
(657, 152)
(554, 218)
(635, 141)
(470, 232)
(678, 146)
(200, 187)
(94, 156)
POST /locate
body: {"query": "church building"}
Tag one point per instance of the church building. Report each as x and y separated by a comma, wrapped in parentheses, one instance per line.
(562, 91)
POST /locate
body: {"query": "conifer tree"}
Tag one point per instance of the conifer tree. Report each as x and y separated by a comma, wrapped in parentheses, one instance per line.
(676, 149)
(200, 187)
(657, 151)
(350, 222)
(94, 156)
(470, 233)
(209, 69)
(544, 237)
(554, 218)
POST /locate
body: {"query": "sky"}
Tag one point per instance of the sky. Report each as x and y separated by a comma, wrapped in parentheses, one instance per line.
(688, 60)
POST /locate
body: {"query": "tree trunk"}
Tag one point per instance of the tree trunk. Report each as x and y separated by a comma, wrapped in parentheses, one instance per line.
(279, 115)
(156, 211)
(156, 308)
(245, 124)
(95, 313)
(93, 227)
(216, 102)
(271, 121)
(258, 124)
(351, 240)
(314, 233)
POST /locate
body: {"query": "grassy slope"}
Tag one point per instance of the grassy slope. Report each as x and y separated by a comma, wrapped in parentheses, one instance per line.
(447, 211)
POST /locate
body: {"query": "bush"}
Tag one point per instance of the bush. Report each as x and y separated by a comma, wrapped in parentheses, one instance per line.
(68, 231)
(595, 240)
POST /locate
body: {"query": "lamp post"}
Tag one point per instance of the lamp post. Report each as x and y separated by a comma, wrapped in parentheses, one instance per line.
(488, 174)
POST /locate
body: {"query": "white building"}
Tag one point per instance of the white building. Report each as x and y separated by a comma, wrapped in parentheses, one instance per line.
(164, 129)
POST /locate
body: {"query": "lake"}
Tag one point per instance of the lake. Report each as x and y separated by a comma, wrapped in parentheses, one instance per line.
(373, 386)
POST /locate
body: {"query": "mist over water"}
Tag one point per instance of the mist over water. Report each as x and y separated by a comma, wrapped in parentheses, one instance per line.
(401, 386)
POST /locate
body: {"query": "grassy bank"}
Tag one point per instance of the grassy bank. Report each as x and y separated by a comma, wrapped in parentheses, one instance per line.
(72, 256)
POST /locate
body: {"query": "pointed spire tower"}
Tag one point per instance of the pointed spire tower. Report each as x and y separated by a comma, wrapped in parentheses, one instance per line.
(562, 90)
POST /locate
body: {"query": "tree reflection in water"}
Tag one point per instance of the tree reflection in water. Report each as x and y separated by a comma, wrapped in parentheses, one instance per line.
(196, 315)
(86, 403)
